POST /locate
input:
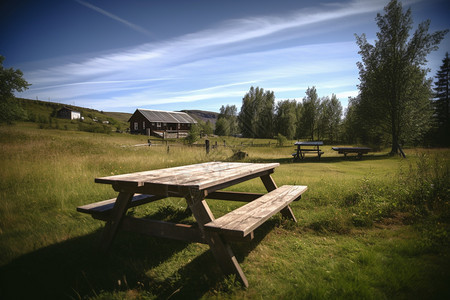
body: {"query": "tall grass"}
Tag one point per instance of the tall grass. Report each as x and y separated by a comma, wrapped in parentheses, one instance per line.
(371, 228)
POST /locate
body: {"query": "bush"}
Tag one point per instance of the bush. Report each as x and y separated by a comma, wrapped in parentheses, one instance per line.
(281, 140)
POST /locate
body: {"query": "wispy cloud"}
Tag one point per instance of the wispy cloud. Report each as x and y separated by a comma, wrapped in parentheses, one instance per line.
(116, 18)
(215, 63)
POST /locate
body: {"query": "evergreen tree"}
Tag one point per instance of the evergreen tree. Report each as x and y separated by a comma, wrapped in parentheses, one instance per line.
(441, 103)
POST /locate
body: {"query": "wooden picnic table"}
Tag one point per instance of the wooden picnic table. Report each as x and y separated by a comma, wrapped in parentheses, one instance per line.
(195, 183)
(307, 147)
(359, 150)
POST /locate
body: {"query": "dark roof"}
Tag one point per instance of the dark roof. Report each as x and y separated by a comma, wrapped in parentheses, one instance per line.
(166, 116)
(66, 108)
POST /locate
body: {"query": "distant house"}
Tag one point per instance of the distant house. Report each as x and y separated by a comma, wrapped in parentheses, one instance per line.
(165, 124)
(67, 113)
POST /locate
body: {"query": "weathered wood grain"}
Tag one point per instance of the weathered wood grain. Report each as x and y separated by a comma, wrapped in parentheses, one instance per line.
(245, 219)
(199, 176)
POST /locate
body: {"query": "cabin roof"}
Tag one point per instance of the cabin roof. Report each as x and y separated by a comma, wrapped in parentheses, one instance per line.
(166, 116)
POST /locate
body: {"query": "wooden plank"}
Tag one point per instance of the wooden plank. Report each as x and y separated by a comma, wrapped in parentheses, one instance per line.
(270, 185)
(313, 143)
(107, 205)
(245, 219)
(199, 176)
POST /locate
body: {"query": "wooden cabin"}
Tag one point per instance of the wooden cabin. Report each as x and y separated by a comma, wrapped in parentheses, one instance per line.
(164, 124)
(67, 113)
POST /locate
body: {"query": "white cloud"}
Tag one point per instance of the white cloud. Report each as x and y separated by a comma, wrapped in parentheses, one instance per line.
(216, 63)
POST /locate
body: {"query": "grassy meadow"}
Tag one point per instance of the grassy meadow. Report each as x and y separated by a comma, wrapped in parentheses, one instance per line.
(376, 228)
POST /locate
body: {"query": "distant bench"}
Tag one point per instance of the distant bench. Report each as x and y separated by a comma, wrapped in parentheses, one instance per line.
(312, 147)
(359, 150)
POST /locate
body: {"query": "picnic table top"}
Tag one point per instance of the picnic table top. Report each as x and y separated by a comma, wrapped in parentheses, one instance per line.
(313, 143)
(198, 176)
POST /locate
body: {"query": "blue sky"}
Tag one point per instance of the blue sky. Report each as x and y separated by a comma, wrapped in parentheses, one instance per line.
(116, 55)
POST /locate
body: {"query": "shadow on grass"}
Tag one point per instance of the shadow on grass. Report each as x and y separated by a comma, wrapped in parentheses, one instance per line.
(326, 159)
(74, 268)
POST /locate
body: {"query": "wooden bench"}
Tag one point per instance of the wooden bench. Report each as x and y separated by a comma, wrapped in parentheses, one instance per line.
(101, 210)
(244, 220)
(359, 150)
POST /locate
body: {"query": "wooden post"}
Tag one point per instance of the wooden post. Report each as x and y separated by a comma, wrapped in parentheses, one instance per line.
(220, 248)
(112, 225)
(207, 146)
(270, 185)
(224, 143)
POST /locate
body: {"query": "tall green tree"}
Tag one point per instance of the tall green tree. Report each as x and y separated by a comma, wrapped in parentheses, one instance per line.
(394, 93)
(310, 113)
(441, 103)
(227, 121)
(257, 113)
(286, 118)
(329, 118)
(11, 81)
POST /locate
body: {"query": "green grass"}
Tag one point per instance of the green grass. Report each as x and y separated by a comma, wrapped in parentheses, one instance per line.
(376, 228)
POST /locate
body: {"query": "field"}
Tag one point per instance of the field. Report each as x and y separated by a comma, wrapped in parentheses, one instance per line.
(376, 228)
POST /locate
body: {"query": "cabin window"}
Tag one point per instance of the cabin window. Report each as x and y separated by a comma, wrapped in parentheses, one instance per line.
(143, 124)
(136, 126)
(179, 125)
(158, 124)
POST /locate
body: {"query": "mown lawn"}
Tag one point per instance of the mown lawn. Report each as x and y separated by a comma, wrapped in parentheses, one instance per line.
(376, 228)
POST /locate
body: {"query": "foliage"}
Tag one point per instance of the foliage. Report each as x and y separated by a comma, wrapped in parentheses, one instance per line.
(281, 140)
(311, 103)
(286, 118)
(394, 92)
(256, 115)
(441, 104)
(193, 135)
(226, 124)
(10, 81)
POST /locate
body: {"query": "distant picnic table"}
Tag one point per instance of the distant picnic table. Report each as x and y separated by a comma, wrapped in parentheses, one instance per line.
(307, 147)
(359, 150)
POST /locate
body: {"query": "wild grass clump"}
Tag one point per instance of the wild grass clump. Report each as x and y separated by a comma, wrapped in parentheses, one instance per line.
(423, 188)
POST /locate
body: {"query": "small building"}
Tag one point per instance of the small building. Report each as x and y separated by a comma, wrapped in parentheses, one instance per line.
(67, 113)
(164, 124)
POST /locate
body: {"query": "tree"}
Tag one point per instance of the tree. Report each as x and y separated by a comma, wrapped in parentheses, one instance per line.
(329, 118)
(227, 121)
(256, 115)
(222, 127)
(286, 118)
(394, 92)
(10, 81)
(310, 113)
(441, 103)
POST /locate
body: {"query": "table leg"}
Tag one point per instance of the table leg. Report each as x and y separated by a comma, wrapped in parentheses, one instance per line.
(219, 247)
(270, 185)
(112, 225)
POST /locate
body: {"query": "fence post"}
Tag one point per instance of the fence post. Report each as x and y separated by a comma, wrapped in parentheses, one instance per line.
(207, 146)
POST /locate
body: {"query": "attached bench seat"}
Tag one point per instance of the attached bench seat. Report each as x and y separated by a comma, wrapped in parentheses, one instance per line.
(242, 221)
(101, 210)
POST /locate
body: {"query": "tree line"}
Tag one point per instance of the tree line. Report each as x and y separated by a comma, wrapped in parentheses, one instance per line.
(261, 117)
(396, 104)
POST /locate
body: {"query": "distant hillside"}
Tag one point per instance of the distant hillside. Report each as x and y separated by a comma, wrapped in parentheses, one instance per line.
(124, 117)
(42, 111)
(203, 115)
